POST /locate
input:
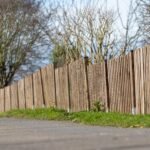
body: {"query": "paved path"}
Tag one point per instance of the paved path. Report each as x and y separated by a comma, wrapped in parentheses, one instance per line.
(51, 135)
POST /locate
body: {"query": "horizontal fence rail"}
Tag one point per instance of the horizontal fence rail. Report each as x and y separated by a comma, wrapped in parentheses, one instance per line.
(121, 85)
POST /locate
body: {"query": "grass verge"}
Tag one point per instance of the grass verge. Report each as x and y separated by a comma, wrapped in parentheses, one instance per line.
(88, 118)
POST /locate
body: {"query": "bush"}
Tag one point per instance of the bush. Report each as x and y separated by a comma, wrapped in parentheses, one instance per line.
(98, 106)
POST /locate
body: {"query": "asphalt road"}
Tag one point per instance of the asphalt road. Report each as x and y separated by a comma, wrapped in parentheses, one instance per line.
(16, 134)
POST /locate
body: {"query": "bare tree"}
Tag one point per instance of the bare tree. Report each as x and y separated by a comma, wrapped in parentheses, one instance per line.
(144, 19)
(19, 31)
(130, 31)
(84, 30)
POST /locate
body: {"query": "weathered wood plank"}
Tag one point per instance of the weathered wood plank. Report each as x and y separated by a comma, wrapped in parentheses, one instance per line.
(29, 91)
(2, 97)
(74, 96)
(132, 74)
(62, 94)
(78, 90)
(48, 85)
(38, 90)
(142, 83)
(146, 80)
(119, 79)
(21, 94)
(139, 83)
(7, 98)
(14, 96)
(97, 84)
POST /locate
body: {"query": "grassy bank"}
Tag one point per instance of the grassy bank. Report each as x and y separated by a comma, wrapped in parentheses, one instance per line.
(89, 118)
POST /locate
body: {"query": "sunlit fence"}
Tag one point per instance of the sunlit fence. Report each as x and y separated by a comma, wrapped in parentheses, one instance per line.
(121, 84)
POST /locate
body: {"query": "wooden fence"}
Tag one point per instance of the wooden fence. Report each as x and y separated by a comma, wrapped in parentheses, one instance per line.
(121, 84)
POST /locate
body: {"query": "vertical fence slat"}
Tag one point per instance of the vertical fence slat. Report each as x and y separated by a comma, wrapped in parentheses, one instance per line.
(136, 79)
(14, 96)
(142, 82)
(129, 91)
(29, 91)
(109, 70)
(48, 85)
(73, 87)
(7, 98)
(146, 80)
(111, 82)
(78, 90)
(2, 96)
(123, 82)
(62, 91)
(116, 92)
(97, 84)
(132, 74)
(57, 86)
(119, 79)
(139, 81)
(84, 103)
(85, 94)
(38, 91)
(46, 90)
(145, 71)
(51, 77)
(69, 102)
(106, 88)
(120, 109)
(21, 94)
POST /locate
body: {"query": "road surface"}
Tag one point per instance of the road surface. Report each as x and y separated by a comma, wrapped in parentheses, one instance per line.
(18, 134)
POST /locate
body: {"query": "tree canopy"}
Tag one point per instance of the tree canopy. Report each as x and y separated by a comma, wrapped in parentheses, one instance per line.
(19, 30)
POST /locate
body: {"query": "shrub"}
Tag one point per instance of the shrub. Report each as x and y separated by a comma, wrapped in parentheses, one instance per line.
(98, 106)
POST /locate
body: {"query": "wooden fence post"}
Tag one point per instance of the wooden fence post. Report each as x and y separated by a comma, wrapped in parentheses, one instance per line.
(107, 87)
(14, 96)
(2, 101)
(142, 82)
(42, 85)
(7, 98)
(21, 94)
(133, 83)
(69, 101)
(29, 92)
(86, 62)
(37, 90)
(55, 86)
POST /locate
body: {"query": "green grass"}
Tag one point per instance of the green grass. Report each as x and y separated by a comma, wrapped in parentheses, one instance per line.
(88, 118)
